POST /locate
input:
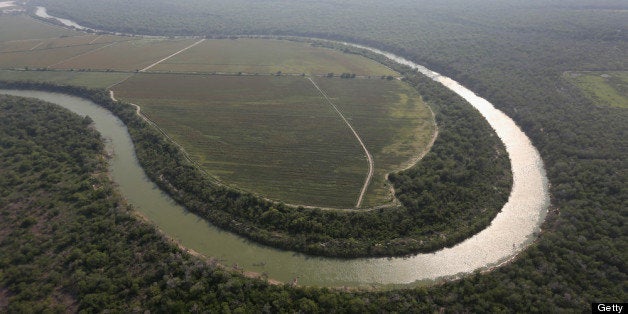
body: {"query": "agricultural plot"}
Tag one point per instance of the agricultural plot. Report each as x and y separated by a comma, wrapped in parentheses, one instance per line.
(43, 58)
(75, 78)
(20, 27)
(273, 136)
(265, 56)
(50, 43)
(603, 88)
(126, 56)
(392, 120)
(278, 137)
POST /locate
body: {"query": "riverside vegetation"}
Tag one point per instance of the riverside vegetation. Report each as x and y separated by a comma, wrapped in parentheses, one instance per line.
(69, 243)
(516, 62)
(417, 226)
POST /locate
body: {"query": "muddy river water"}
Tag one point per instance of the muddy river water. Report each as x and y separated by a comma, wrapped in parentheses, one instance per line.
(513, 229)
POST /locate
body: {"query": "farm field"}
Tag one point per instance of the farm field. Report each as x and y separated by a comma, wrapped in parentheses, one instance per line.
(21, 27)
(127, 56)
(86, 79)
(265, 56)
(273, 135)
(277, 136)
(16, 46)
(43, 58)
(392, 120)
(603, 88)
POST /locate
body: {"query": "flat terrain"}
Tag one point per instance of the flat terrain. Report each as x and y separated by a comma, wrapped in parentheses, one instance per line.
(265, 56)
(130, 55)
(603, 88)
(86, 79)
(391, 119)
(21, 27)
(274, 135)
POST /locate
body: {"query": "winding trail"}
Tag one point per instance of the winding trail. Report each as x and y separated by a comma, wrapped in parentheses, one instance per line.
(172, 55)
(369, 157)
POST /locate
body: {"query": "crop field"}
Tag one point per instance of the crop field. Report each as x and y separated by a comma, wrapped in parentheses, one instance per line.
(49, 43)
(277, 136)
(22, 27)
(269, 56)
(273, 136)
(43, 58)
(392, 120)
(86, 79)
(126, 56)
(603, 88)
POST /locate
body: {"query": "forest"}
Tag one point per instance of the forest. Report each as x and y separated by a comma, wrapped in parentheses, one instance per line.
(514, 54)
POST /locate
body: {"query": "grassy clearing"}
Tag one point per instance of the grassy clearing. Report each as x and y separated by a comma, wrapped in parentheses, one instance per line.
(127, 56)
(21, 27)
(603, 88)
(276, 136)
(269, 56)
(86, 79)
(392, 120)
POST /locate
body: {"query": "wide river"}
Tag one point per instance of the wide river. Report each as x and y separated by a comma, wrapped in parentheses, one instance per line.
(512, 230)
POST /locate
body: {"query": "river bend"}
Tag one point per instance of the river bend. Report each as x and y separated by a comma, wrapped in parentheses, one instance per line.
(513, 229)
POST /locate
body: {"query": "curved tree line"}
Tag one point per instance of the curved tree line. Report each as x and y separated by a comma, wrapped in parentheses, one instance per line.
(443, 196)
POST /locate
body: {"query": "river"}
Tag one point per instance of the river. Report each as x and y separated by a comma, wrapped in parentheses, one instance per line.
(511, 231)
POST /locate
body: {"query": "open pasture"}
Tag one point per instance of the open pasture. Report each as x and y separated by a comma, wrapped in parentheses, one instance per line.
(75, 78)
(603, 88)
(127, 56)
(269, 56)
(278, 137)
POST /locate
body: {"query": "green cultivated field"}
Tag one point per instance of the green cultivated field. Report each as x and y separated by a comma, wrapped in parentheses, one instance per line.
(269, 56)
(391, 119)
(128, 55)
(86, 79)
(603, 88)
(277, 136)
(25, 28)
(43, 58)
(273, 136)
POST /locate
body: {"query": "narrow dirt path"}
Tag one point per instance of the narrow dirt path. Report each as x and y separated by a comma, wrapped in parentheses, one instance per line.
(172, 55)
(369, 157)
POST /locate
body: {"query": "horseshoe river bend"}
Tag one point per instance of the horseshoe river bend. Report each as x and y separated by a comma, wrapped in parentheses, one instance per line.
(511, 231)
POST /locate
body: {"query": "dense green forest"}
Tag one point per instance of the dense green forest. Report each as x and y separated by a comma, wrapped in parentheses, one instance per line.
(73, 245)
(511, 52)
(69, 243)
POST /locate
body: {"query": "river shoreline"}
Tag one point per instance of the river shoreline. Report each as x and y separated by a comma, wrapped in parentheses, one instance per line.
(512, 230)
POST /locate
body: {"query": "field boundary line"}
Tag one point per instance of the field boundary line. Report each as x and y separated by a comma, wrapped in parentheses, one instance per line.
(95, 39)
(82, 54)
(40, 43)
(369, 157)
(172, 55)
